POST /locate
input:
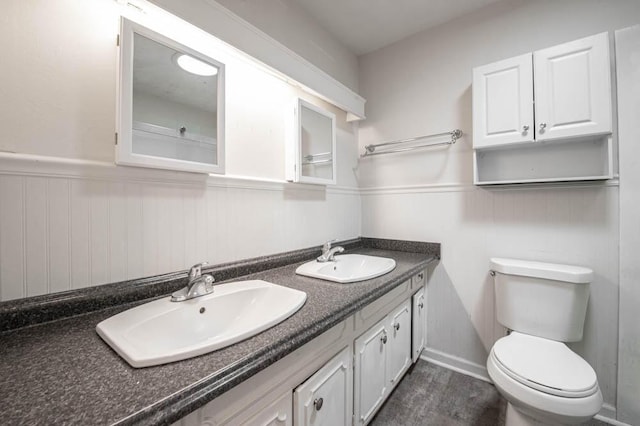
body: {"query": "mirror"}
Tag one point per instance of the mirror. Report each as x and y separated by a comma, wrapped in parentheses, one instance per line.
(171, 104)
(312, 149)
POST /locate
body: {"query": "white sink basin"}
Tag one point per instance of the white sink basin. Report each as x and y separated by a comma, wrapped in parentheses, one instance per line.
(162, 331)
(348, 268)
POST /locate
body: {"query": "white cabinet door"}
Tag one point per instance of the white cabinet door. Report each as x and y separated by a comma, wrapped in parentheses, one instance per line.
(399, 348)
(573, 89)
(370, 372)
(324, 399)
(503, 102)
(419, 325)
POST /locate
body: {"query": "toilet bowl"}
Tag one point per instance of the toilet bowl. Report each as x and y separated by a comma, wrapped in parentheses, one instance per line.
(544, 305)
(544, 382)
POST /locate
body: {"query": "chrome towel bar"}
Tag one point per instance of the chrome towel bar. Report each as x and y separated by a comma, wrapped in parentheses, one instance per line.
(372, 149)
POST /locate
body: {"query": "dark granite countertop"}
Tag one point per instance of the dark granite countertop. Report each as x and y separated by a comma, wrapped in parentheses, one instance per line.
(61, 372)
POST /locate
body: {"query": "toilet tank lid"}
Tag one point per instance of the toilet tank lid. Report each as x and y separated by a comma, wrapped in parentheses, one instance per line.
(549, 271)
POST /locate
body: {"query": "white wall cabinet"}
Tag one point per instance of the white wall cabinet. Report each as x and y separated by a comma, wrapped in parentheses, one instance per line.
(311, 145)
(382, 356)
(169, 117)
(573, 89)
(545, 116)
(572, 84)
(325, 398)
(503, 102)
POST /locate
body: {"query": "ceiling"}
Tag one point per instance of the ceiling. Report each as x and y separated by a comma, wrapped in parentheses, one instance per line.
(367, 25)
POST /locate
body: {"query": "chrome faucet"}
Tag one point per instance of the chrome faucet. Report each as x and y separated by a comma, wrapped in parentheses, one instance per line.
(328, 252)
(198, 285)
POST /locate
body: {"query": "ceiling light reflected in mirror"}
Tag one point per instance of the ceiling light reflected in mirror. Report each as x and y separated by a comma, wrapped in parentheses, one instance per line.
(195, 66)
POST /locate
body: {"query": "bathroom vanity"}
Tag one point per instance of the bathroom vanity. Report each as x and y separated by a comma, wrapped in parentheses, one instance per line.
(341, 377)
(62, 372)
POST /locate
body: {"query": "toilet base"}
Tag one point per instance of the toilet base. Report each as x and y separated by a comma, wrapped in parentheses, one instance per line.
(514, 417)
(517, 417)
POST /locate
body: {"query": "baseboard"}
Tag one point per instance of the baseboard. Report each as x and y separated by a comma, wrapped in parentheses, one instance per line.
(456, 364)
(608, 415)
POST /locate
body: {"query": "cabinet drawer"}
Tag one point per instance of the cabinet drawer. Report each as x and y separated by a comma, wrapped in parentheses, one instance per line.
(419, 280)
(278, 413)
(379, 308)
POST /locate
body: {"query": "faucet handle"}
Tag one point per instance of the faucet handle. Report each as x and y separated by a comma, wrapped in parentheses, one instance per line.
(196, 270)
(327, 246)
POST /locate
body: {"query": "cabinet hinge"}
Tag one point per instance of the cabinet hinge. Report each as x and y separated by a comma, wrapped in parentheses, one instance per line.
(116, 138)
(118, 40)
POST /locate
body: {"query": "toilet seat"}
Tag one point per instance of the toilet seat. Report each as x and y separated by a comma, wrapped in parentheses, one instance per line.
(545, 365)
(539, 399)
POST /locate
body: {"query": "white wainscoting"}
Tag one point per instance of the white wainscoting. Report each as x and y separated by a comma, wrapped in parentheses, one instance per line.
(564, 224)
(67, 224)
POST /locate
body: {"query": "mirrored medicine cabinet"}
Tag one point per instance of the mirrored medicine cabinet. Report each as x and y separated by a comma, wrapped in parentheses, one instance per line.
(171, 104)
(311, 151)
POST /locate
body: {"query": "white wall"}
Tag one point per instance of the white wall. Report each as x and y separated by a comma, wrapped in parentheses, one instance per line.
(287, 22)
(58, 94)
(70, 218)
(422, 85)
(628, 46)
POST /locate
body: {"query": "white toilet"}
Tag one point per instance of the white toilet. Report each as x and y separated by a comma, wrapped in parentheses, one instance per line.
(544, 382)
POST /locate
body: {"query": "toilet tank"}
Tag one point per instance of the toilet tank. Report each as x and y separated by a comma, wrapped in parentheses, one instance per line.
(541, 299)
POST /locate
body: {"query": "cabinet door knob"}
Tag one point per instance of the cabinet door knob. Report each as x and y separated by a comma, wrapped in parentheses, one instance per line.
(318, 403)
(525, 128)
(543, 126)
(396, 326)
(421, 305)
(420, 276)
(383, 338)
